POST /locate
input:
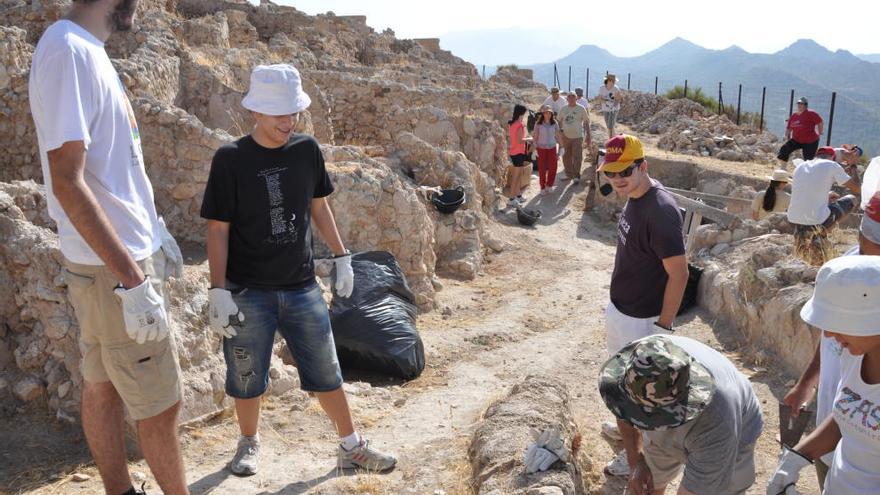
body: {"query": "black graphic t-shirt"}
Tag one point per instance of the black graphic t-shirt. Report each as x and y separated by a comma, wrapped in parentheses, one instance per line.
(266, 195)
(649, 230)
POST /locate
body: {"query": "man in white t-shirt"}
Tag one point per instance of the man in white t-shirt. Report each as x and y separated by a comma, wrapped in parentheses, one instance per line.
(810, 210)
(116, 249)
(555, 101)
(581, 99)
(822, 375)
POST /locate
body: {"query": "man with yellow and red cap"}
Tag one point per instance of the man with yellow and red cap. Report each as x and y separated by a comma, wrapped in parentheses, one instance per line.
(650, 267)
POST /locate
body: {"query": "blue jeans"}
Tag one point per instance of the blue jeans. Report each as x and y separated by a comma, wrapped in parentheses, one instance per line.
(302, 318)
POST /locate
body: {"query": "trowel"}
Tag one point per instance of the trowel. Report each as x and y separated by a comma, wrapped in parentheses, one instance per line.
(791, 429)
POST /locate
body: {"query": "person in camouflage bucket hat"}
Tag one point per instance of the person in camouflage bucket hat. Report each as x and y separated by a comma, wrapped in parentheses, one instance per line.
(653, 384)
(691, 408)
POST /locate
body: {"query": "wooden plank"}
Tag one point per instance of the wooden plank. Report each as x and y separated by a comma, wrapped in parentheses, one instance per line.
(715, 197)
(694, 221)
(720, 217)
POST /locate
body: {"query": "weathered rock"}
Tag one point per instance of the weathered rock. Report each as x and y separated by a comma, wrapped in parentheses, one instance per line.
(28, 388)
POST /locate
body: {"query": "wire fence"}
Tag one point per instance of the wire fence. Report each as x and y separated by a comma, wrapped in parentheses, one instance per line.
(849, 118)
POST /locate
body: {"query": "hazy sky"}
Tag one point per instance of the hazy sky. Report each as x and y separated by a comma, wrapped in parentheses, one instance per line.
(629, 27)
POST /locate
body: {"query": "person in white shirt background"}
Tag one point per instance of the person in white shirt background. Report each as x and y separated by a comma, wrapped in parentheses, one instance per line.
(610, 96)
(117, 251)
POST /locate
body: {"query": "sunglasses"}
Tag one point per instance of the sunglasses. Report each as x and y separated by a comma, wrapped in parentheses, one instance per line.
(625, 172)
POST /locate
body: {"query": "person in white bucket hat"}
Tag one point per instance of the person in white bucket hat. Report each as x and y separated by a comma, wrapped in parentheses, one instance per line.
(846, 306)
(774, 199)
(822, 376)
(264, 192)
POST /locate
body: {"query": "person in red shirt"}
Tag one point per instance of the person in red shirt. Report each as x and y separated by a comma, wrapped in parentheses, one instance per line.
(803, 131)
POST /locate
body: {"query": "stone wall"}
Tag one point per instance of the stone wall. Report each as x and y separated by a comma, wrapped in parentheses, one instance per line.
(759, 288)
(18, 144)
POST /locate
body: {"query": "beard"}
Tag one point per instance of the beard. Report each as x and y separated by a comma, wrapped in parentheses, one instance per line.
(122, 16)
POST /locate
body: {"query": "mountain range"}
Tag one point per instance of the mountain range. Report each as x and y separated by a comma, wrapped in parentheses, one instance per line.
(806, 67)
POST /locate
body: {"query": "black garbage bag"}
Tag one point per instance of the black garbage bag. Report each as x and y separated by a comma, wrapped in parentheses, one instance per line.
(375, 328)
(689, 300)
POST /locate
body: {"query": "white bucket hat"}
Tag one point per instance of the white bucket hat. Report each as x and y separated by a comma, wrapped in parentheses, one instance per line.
(780, 175)
(847, 296)
(276, 90)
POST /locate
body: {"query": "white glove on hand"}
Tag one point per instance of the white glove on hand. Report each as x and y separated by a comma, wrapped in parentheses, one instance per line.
(223, 313)
(173, 256)
(344, 275)
(144, 312)
(547, 449)
(787, 473)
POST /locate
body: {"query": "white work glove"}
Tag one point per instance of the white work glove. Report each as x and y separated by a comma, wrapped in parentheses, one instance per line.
(344, 275)
(223, 313)
(547, 449)
(144, 312)
(787, 473)
(173, 256)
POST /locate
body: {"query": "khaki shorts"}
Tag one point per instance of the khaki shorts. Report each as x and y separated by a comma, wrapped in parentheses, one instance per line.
(666, 463)
(146, 375)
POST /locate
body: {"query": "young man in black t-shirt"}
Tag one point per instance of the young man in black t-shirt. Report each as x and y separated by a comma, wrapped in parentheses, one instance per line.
(264, 192)
(650, 267)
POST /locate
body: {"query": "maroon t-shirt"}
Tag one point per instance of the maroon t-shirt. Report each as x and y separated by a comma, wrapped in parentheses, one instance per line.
(649, 230)
(803, 126)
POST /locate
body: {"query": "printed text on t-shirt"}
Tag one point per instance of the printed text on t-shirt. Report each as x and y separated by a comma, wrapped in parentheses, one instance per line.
(851, 406)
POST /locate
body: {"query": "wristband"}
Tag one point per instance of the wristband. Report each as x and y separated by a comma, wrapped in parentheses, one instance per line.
(669, 329)
(802, 456)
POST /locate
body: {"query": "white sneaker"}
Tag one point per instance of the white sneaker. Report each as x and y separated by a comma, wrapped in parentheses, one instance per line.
(244, 463)
(618, 466)
(611, 431)
(512, 203)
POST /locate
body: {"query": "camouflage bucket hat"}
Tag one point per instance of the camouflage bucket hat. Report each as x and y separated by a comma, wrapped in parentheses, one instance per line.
(654, 384)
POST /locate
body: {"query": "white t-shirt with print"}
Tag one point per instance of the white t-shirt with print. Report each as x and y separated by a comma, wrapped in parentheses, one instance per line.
(76, 95)
(610, 98)
(810, 184)
(856, 409)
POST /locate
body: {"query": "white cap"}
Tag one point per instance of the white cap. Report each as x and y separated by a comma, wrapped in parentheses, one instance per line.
(847, 296)
(276, 90)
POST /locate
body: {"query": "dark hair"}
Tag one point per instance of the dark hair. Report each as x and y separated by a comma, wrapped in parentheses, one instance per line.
(518, 111)
(770, 195)
(541, 118)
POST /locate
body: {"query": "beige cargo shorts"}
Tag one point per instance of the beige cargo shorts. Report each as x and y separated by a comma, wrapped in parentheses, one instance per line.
(146, 376)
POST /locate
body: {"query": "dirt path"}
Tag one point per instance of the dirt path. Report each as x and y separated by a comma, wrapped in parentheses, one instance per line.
(537, 308)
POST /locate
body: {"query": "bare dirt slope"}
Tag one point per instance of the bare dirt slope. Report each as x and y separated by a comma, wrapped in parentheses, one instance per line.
(538, 307)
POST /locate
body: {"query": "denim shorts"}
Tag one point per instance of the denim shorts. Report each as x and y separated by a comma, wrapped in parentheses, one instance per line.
(301, 316)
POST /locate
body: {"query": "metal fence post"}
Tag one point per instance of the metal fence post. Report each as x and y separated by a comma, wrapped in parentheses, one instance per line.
(627, 81)
(763, 98)
(720, 99)
(685, 88)
(831, 117)
(656, 80)
(791, 104)
(587, 85)
(569, 79)
(739, 96)
(484, 71)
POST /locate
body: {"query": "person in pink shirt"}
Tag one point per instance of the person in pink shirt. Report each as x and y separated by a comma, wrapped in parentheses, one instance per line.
(516, 131)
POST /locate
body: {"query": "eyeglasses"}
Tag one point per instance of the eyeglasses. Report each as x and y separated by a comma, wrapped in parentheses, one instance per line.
(625, 172)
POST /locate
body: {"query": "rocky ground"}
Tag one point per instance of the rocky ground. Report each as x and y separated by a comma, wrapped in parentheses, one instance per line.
(537, 307)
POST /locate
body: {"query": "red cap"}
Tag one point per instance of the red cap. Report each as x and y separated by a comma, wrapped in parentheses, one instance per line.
(825, 150)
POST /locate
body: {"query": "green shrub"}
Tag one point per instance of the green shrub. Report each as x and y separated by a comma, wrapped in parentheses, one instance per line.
(751, 119)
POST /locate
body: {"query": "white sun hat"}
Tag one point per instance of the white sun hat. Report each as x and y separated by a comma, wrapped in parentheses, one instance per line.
(847, 296)
(276, 90)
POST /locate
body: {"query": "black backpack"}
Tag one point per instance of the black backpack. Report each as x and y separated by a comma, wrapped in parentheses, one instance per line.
(530, 122)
